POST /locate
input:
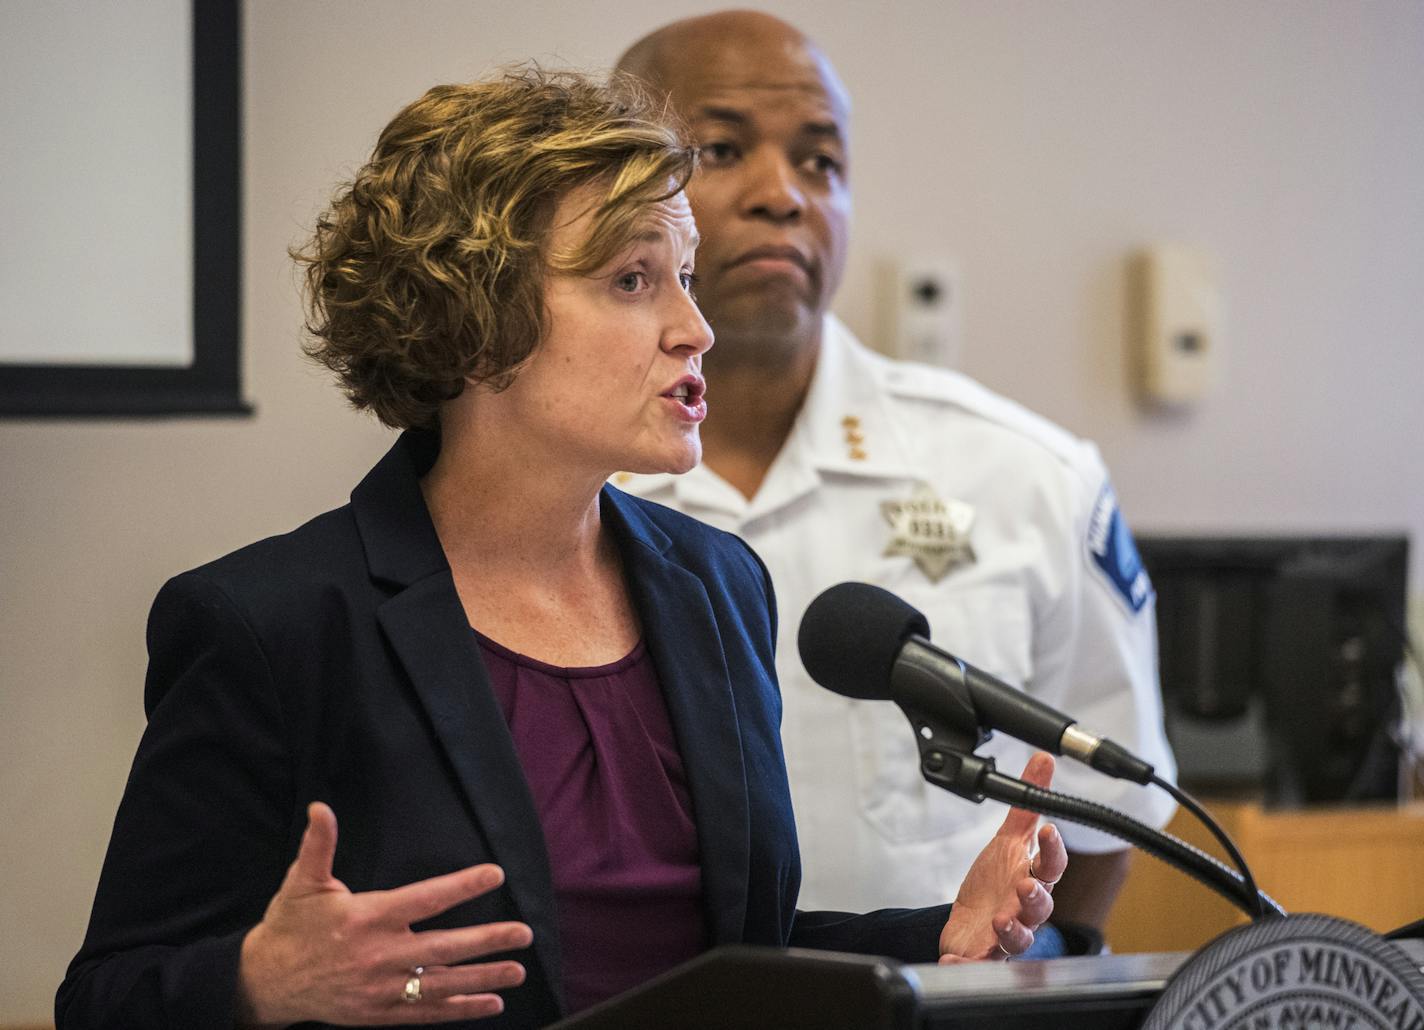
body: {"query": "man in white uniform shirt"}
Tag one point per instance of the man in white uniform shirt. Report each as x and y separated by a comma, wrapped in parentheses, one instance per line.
(836, 464)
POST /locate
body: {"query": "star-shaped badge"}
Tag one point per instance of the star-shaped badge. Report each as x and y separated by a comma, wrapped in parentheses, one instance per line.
(933, 532)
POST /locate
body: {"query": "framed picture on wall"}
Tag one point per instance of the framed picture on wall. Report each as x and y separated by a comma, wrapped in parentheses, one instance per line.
(120, 258)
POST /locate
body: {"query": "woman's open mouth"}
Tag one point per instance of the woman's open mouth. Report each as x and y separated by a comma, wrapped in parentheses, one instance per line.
(688, 398)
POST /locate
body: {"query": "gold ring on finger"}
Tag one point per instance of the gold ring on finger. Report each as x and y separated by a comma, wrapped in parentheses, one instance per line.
(411, 994)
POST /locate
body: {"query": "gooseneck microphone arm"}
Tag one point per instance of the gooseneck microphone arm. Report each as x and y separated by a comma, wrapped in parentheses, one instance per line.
(862, 641)
(958, 700)
(1227, 882)
(946, 762)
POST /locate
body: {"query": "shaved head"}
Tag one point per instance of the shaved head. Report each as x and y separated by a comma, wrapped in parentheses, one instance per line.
(675, 57)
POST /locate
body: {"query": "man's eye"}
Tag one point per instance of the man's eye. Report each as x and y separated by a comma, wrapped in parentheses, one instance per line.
(689, 283)
(824, 164)
(631, 282)
(717, 153)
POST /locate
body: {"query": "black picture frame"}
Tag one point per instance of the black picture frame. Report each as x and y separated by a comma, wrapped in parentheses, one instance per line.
(212, 384)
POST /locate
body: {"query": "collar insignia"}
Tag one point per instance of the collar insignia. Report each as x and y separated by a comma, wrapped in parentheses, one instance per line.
(854, 438)
(933, 532)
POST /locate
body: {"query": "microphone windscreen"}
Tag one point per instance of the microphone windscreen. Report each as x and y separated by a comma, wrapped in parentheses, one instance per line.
(851, 635)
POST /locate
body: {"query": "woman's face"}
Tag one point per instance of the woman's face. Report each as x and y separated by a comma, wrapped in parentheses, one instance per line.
(616, 383)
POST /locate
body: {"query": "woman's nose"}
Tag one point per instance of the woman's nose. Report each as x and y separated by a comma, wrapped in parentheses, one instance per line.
(688, 329)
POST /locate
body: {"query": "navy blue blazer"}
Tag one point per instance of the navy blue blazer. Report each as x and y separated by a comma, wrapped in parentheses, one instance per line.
(336, 663)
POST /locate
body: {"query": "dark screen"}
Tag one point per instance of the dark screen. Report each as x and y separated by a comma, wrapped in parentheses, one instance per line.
(1279, 661)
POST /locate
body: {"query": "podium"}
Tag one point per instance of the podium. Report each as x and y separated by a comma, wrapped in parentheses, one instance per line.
(753, 988)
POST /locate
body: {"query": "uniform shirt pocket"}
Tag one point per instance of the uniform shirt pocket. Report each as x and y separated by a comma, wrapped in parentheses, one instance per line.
(987, 625)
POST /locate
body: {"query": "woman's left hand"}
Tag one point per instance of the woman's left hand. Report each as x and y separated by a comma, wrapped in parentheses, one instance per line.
(1008, 891)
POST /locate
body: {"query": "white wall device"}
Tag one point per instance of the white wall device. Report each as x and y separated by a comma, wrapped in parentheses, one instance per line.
(1176, 332)
(920, 310)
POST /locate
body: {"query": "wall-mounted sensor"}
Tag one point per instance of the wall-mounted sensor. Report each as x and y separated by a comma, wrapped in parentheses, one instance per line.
(920, 310)
(1174, 325)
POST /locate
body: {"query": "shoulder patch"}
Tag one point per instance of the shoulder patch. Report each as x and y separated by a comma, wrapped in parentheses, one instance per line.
(1114, 552)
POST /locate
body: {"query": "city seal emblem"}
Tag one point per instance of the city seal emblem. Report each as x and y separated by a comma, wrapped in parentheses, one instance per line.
(1298, 972)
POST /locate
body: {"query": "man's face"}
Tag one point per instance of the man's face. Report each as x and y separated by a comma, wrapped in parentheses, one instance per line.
(771, 197)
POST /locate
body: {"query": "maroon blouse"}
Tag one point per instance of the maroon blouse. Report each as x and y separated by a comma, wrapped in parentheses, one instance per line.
(607, 779)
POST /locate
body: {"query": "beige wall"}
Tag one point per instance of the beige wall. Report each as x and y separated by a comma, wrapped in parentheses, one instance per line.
(1036, 142)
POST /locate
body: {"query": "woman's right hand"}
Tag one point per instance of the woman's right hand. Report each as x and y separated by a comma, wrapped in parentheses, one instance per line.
(323, 953)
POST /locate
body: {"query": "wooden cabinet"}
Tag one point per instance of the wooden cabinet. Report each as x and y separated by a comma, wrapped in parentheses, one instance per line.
(1365, 864)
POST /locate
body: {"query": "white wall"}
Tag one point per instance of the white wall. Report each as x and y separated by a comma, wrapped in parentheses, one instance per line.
(1037, 142)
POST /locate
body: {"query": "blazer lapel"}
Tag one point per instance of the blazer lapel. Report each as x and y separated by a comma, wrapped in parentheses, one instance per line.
(680, 628)
(427, 628)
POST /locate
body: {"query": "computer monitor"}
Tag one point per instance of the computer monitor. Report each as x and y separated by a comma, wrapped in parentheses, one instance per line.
(1280, 661)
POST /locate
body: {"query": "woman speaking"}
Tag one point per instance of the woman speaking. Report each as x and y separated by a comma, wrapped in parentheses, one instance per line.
(544, 712)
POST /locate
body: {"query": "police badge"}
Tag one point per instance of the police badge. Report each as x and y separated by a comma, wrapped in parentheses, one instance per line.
(935, 533)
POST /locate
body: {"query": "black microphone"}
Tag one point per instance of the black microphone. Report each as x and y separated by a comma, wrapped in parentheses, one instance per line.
(864, 642)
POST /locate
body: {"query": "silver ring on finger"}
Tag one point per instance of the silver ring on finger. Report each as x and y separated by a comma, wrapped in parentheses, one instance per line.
(411, 994)
(1003, 950)
(1046, 883)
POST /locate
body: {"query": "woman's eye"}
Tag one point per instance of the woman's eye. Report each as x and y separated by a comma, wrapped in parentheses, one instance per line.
(689, 283)
(631, 282)
(717, 153)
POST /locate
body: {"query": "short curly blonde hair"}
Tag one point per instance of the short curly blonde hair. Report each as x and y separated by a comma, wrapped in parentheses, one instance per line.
(427, 270)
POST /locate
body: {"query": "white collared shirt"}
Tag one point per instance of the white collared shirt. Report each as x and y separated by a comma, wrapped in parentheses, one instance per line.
(1050, 601)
